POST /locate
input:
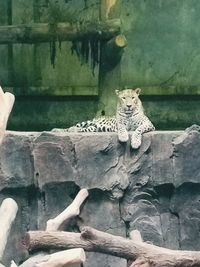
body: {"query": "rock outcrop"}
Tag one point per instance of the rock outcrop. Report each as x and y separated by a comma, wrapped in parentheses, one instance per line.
(155, 189)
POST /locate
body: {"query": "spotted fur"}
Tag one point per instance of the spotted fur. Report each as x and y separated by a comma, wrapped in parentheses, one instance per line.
(129, 117)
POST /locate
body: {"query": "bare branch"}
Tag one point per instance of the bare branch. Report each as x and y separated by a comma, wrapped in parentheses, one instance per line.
(140, 263)
(147, 255)
(8, 211)
(64, 258)
(136, 236)
(13, 264)
(71, 211)
(6, 103)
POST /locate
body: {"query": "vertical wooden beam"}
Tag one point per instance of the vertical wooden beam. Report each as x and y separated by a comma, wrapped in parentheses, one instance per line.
(36, 57)
(109, 77)
(4, 67)
(10, 46)
(9, 11)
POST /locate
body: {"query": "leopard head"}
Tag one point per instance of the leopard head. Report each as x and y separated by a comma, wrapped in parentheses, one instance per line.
(128, 100)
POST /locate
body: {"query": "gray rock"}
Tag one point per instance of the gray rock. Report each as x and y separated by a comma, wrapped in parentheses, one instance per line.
(141, 207)
(185, 205)
(155, 189)
(186, 158)
(149, 228)
(103, 213)
(16, 163)
(170, 230)
(53, 199)
(54, 159)
(102, 260)
(99, 162)
(162, 163)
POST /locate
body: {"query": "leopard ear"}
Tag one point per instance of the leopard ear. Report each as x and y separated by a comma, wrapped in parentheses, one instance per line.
(137, 90)
(117, 92)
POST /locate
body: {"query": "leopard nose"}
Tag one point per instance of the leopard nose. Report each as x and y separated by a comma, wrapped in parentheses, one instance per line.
(128, 106)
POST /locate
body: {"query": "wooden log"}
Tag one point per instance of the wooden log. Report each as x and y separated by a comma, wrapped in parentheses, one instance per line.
(44, 32)
(6, 104)
(113, 51)
(8, 211)
(117, 42)
(114, 47)
(140, 263)
(65, 258)
(71, 211)
(73, 257)
(13, 264)
(136, 237)
(35, 259)
(97, 241)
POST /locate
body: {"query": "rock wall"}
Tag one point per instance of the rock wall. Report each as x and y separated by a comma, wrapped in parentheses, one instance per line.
(155, 189)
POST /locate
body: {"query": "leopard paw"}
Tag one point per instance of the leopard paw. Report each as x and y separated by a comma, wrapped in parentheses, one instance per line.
(136, 141)
(123, 137)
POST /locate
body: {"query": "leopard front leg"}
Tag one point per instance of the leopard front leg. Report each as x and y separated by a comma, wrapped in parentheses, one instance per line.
(122, 133)
(136, 138)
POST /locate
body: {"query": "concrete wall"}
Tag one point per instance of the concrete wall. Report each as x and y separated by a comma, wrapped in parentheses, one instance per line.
(154, 189)
(162, 57)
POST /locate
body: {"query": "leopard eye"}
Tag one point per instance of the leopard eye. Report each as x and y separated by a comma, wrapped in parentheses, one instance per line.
(123, 97)
(133, 97)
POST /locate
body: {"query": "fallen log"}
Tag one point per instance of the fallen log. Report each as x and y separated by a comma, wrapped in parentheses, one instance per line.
(89, 239)
(8, 211)
(71, 211)
(64, 258)
(45, 32)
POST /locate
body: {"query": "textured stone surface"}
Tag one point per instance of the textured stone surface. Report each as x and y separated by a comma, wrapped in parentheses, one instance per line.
(16, 161)
(186, 158)
(155, 189)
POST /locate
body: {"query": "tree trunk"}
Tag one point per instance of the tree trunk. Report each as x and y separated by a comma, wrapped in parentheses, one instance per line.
(97, 241)
(114, 49)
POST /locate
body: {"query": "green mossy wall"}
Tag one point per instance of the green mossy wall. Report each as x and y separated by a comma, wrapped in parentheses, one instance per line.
(162, 57)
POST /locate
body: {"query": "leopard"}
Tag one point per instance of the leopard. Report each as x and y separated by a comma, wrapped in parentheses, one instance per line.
(129, 117)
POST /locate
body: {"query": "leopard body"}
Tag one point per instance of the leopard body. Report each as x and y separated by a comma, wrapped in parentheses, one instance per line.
(130, 116)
